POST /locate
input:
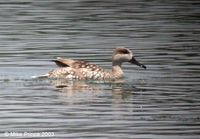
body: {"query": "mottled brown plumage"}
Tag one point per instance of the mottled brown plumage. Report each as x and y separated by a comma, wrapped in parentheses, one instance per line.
(82, 70)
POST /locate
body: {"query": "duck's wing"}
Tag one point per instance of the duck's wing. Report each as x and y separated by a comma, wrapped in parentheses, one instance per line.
(77, 64)
(87, 66)
(61, 62)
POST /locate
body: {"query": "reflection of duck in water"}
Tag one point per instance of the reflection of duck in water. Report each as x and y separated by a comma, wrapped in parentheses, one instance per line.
(81, 70)
(76, 91)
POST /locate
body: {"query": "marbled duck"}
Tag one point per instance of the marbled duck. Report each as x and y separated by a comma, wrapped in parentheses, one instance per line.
(74, 69)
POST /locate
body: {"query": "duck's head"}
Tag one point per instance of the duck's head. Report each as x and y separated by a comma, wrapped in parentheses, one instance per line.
(121, 55)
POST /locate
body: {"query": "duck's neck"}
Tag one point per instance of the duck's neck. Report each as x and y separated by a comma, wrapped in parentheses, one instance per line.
(117, 70)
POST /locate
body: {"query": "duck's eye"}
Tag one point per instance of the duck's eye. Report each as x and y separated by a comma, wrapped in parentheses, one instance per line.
(124, 51)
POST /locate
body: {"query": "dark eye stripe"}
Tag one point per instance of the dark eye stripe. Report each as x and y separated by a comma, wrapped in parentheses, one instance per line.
(124, 51)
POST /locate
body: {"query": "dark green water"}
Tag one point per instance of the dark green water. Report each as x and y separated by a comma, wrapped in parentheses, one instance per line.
(161, 102)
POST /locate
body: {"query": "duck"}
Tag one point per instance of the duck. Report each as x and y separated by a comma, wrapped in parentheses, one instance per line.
(71, 69)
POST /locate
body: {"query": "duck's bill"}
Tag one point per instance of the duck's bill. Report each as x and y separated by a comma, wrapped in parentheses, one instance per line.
(134, 61)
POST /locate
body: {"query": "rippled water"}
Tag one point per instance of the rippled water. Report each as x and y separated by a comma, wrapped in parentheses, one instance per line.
(160, 102)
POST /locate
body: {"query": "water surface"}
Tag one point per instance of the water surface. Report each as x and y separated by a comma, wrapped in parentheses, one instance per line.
(158, 103)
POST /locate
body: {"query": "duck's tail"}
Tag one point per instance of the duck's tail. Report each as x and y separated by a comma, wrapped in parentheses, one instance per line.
(40, 76)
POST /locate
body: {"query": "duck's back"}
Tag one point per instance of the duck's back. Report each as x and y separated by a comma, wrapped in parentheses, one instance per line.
(76, 69)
